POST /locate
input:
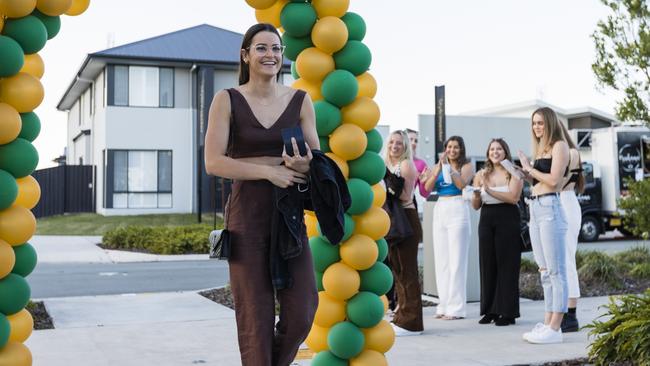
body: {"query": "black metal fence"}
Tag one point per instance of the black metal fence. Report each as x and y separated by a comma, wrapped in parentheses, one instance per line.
(65, 189)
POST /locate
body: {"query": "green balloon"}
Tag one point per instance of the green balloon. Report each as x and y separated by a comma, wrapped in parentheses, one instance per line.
(319, 281)
(324, 144)
(52, 24)
(340, 88)
(31, 127)
(5, 329)
(298, 19)
(8, 189)
(369, 167)
(15, 294)
(323, 253)
(375, 141)
(327, 358)
(361, 194)
(382, 246)
(12, 59)
(345, 340)
(377, 279)
(365, 309)
(29, 32)
(295, 45)
(294, 71)
(18, 157)
(328, 117)
(348, 228)
(26, 259)
(354, 57)
(356, 26)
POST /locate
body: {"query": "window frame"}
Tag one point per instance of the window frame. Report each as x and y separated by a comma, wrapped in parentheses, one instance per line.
(111, 86)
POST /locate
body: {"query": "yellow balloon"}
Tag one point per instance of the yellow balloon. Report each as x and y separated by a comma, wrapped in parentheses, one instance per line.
(367, 85)
(373, 223)
(17, 225)
(53, 8)
(21, 325)
(22, 91)
(29, 192)
(379, 193)
(340, 281)
(313, 89)
(369, 358)
(272, 14)
(7, 258)
(10, 123)
(34, 66)
(313, 64)
(341, 163)
(260, 4)
(348, 141)
(330, 311)
(78, 7)
(17, 8)
(311, 223)
(363, 112)
(336, 8)
(384, 299)
(379, 338)
(317, 338)
(359, 252)
(2, 22)
(15, 354)
(329, 34)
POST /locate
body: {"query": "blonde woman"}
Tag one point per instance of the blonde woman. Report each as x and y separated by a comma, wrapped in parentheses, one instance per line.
(451, 230)
(548, 223)
(403, 251)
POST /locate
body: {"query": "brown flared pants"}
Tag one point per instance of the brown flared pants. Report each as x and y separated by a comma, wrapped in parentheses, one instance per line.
(262, 342)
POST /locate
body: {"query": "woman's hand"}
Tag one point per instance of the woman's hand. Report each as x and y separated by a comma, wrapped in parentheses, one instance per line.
(284, 177)
(424, 175)
(525, 163)
(296, 162)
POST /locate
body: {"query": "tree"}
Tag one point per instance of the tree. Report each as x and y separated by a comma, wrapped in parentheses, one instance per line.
(637, 208)
(623, 57)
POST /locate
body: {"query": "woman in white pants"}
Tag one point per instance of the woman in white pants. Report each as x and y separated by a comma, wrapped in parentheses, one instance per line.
(574, 182)
(451, 228)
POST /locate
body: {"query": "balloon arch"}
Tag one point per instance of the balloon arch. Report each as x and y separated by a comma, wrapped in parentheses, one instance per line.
(330, 62)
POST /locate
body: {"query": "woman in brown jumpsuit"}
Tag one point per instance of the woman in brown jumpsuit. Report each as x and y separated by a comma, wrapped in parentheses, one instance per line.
(249, 150)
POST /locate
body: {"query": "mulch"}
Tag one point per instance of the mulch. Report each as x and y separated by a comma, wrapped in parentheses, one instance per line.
(42, 319)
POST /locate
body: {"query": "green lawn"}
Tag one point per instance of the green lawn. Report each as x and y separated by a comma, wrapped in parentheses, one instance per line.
(93, 224)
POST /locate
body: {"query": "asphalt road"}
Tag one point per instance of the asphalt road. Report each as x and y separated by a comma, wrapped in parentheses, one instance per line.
(62, 280)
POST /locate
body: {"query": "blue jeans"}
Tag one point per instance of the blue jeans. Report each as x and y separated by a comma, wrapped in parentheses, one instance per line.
(548, 227)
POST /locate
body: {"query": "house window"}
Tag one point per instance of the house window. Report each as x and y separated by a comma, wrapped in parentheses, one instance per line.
(140, 179)
(141, 86)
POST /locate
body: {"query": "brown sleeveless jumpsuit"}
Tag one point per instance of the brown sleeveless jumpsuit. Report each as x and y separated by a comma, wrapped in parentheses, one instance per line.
(250, 207)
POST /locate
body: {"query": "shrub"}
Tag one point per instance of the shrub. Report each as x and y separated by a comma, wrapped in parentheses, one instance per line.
(624, 335)
(641, 271)
(599, 267)
(637, 208)
(634, 256)
(159, 240)
(528, 266)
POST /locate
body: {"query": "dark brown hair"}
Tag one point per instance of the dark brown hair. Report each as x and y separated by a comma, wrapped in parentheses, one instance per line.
(462, 158)
(244, 69)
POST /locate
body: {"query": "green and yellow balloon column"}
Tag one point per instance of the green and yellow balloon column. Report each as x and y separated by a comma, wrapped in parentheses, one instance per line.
(25, 27)
(330, 62)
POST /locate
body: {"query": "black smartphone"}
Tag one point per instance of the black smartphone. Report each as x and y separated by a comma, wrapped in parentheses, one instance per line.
(295, 132)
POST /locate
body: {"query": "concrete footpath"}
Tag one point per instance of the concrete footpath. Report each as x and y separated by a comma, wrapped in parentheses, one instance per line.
(184, 328)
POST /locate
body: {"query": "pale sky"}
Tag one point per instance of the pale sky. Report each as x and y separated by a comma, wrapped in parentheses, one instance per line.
(487, 53)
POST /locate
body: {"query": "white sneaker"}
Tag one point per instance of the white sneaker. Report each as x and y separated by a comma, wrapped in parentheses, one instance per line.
(401, 332)
(546, 336)
(536, 329)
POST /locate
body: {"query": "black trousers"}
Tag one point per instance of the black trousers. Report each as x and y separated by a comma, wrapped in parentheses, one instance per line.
(499, 259)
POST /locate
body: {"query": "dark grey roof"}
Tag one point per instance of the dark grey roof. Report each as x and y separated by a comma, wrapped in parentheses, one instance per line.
(200, 43)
